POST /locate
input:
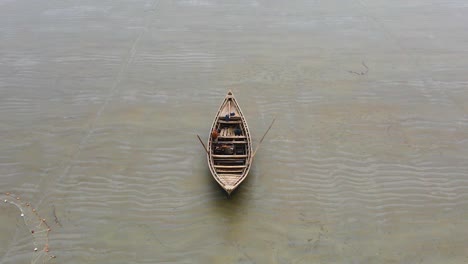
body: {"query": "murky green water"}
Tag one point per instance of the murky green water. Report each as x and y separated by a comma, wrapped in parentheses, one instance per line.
(100, 104)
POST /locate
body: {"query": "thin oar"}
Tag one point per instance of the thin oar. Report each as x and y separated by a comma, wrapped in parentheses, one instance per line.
(253, 155)
(203, 144)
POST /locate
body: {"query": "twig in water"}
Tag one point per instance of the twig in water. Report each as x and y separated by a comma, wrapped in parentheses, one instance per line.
(363, 72)
(55, 217)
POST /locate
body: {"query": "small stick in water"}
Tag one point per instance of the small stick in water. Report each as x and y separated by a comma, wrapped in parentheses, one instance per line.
(55, 216)
(361, 73)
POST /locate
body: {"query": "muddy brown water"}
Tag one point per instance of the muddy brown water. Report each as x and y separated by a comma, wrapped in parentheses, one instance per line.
(100, 104)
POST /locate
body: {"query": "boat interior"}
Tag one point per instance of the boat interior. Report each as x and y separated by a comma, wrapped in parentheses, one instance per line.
(230, 149)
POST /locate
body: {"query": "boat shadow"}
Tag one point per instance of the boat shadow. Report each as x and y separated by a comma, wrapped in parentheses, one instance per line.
(233, 205)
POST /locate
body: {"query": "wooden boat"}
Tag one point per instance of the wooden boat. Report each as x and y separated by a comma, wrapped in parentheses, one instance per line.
(229, 151)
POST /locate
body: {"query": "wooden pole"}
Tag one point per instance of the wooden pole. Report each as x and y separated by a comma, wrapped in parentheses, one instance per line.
(253, 155)
(203, 145)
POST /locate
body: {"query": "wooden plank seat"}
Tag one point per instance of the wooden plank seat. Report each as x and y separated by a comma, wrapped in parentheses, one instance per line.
(231, 137)
(230, 162)
(232, 142)
(229, 171)
(222, 161)
(229, 166)
(230, 122)
(230, 156)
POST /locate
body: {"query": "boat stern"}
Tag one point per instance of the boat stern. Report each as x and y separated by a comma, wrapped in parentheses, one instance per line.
(229, 189)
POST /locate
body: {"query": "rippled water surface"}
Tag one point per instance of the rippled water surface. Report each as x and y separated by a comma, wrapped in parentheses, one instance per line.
(101, 102)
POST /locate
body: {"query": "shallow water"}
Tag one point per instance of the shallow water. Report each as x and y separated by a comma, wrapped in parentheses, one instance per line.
(100, 104)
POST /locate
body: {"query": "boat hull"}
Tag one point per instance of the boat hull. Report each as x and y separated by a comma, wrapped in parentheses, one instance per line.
(229, 149)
